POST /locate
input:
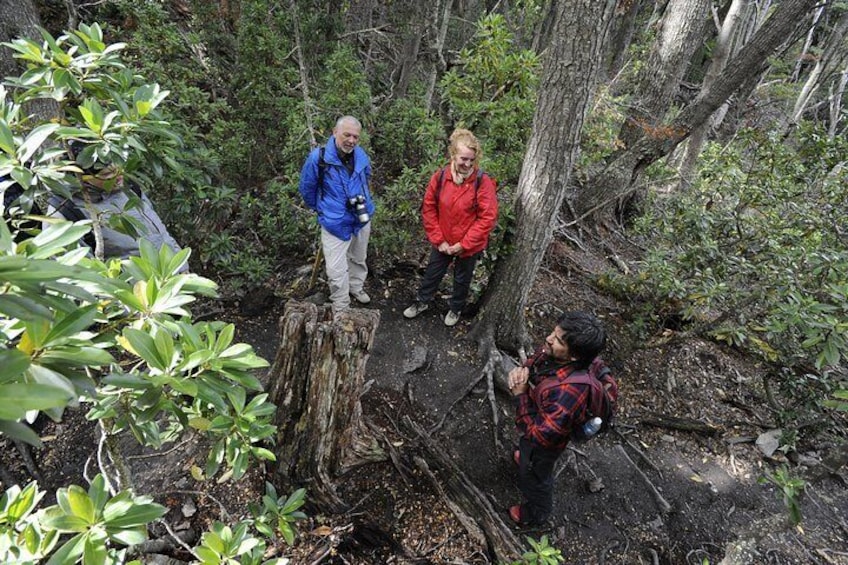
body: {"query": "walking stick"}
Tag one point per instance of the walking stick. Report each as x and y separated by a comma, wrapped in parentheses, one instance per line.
(318, 256)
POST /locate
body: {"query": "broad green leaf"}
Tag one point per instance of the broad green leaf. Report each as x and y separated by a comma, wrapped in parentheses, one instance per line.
(69, 552)
(81, 504)
(94, 552)
(130, 536)
(34, 141)
(19, 432)
(143, 344)
(137, 515)
(23, 308)
(98, 492)
(7, 140)
(70, 325)
(18, 398)
(13, 362)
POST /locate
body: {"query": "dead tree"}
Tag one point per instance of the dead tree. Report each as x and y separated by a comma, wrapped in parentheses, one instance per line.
(316, 382)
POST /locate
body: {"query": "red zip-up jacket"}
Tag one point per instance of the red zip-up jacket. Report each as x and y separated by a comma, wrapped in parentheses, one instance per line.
(456, 219)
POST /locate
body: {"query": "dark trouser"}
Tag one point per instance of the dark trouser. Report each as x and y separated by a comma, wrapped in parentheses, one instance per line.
(463, 271)
(536, 481)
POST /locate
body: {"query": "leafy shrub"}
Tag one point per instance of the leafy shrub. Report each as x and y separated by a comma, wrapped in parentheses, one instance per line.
(752, 254)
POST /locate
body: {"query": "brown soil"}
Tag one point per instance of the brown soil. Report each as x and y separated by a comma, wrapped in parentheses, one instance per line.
(605, 511)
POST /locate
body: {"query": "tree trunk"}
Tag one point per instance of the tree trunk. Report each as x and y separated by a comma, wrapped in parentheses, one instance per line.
(19, 18)
(831, 58)
(316, 381)
(721, 53)
(681, 33)
(599, 195)
(443, 9)
(569, 78)
(836, 103)
(625, 24)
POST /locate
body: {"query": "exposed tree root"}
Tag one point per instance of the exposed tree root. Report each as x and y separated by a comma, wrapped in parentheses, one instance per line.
(663, 504)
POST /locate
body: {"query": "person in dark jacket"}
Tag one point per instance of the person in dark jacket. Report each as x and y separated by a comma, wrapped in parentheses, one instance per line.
(110, 198)
(548, 407)
(334, 183)
(460, 210)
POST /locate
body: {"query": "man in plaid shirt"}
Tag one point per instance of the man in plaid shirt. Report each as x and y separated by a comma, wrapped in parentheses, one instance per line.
(548, 406)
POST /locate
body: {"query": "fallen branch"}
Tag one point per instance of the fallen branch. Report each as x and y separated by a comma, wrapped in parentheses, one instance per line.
(639, 452)
(463, 496)
(665, 507)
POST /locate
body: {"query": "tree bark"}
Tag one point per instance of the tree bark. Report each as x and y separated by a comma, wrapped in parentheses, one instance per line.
(599, 195)
(625, 24)
(316, 382)
(437, 48)
(569, 78)
(721, 53)
(831, 58)
(681, 33)
(18, 18)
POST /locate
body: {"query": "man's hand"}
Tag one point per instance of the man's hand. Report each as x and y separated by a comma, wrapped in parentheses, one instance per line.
(455, 249)
(444, 247)
(517, 380)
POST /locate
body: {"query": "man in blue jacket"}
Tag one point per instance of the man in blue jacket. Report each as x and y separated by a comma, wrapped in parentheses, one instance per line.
(334, 183)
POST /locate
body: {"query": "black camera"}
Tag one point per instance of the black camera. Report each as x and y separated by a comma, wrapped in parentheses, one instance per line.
(357, 204)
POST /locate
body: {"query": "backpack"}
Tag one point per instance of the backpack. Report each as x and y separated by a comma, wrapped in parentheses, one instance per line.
(601, 402)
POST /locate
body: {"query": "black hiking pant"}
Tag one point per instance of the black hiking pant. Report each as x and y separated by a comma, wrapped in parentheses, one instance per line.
(536, 481)
(463, 272)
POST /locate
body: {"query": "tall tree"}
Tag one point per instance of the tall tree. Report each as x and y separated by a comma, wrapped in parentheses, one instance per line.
(721, 53)
(18, 18)
(681, 32)
(599, 195)
(569, 78)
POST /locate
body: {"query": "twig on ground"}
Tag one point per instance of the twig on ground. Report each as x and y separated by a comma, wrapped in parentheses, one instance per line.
(158, 453)
(639, 452)
(665, 507)
(462, 395)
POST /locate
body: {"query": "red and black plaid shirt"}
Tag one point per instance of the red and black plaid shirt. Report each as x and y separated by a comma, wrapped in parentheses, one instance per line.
(545, 415)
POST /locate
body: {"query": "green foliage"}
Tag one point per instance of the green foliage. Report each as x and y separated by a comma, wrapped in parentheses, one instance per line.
(750, 254)
(277, 515)
(493, 93)
(790, 489)
(97, 522)
(541, 554)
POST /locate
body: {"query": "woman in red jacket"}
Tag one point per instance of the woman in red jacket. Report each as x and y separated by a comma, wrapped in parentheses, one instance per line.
(460, 210)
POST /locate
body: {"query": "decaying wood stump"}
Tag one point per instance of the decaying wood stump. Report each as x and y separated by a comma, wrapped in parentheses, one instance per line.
(316, 382)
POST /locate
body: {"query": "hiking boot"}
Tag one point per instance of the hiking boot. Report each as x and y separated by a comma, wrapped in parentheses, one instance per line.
(451, 318)
(360, 296)
(415, 309)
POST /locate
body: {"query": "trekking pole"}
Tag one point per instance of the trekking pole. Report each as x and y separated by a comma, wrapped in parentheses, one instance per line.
(318, 256)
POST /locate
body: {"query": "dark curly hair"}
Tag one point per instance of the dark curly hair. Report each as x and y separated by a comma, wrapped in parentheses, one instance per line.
(584, 334)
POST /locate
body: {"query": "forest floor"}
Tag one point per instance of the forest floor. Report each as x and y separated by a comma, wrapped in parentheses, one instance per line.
(645, 493)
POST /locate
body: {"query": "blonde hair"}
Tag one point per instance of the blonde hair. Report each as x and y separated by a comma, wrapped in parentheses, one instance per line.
(466, 138)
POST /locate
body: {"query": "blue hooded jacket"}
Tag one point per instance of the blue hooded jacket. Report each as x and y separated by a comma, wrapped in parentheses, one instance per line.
(331, 200)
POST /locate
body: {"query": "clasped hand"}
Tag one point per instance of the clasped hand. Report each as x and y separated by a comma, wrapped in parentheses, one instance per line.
(449, 249)
(517, 380)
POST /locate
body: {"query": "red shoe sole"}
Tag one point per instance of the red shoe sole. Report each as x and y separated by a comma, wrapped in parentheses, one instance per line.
(515, 513)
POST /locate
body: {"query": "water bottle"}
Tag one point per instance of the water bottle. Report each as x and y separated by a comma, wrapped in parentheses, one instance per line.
(591, 427)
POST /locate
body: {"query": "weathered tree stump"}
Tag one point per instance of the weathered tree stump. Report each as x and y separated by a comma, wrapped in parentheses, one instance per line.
(316, 382)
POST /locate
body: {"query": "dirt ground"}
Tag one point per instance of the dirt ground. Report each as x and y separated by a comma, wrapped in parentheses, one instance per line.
(645, 493)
